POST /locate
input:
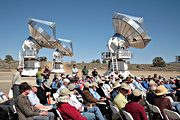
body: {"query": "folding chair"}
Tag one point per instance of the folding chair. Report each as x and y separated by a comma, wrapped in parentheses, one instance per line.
(127, 115)
(155, 109)
(171, 114)
(59, 114)
(115, 112)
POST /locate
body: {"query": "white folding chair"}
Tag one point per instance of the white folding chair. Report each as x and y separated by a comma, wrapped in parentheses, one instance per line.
(155, 109)
(59, 114)
(171, 114)
(115, 112)
(127, 115)
(55, 96)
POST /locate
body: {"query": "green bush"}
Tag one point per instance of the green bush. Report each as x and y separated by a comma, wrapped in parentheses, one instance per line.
(159, 62)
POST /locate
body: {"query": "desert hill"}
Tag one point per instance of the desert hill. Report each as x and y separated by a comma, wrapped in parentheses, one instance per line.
(5, 67)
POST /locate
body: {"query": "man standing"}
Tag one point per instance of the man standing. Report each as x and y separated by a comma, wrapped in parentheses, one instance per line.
(94, 73)
(46, 73)
(85, 72)
(16, 81)
(74, 70)
(24, 108)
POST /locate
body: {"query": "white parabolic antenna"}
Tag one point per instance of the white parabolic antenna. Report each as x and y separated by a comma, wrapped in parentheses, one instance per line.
(131, 29)
(129, 32)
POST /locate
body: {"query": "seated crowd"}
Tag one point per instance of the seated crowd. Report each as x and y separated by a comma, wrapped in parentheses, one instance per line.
(91, 97)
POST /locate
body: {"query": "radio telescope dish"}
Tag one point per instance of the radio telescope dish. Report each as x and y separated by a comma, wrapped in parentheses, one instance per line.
(131, 29)
(129, 32)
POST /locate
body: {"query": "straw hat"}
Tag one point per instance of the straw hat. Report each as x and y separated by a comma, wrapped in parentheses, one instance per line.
(64, 95)
(151, 82)
(94, 84)
(100, 81)
(71, 86)
(116, 85)
(137, 92)
(66, 80)
(63, 76)
(161, 90)
(65, 92)
(87, 84)
(177, 78)
(125, 86)
(105, 78)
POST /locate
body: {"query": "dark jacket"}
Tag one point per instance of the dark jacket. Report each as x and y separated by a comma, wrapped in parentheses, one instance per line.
(24, 108)
(88, 98)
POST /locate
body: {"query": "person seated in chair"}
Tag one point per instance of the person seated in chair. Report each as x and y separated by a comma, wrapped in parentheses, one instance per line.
(135, 108)
(24, 108)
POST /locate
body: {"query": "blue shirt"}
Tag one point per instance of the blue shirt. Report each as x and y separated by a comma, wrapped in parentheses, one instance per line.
(54, 85)
(138, 86)
(145, 84)
(33, 98)
(95, 94)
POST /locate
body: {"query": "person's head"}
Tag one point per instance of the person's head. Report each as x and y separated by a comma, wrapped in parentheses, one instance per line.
(74, 65)
(40, 69)
(95, 69)
(46, 67)
(24, 88)
(101, 83)
(124, 88)
(87, 85)
(64, 95)
(34, 89)
(94, 85)
(161, 90)
(66, 81)
(116, 85)
(155, 75)
(72, 87)
(137, 95)
(55, 75)
(85, 67)
(128, 80)
(20, 69)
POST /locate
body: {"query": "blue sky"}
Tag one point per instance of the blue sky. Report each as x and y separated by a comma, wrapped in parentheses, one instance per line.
(88, 23)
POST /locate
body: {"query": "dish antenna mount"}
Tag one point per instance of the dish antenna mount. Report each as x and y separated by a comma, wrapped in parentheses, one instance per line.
(129, 32)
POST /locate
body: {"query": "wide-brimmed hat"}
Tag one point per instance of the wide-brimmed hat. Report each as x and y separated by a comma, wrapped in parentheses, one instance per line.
(177, 78)
(71, 86)
(161, 90)
(138, 78)
(137, 92)
(125, 86)
(66, 80)
(63, 76)
(151, 82)
(100, 81)
(64, 95)
(65, 91)
(105, 78)
(116, 85)
(94, 84)
(87, 84)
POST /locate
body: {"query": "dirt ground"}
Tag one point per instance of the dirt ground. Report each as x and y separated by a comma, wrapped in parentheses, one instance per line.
(6, 77)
